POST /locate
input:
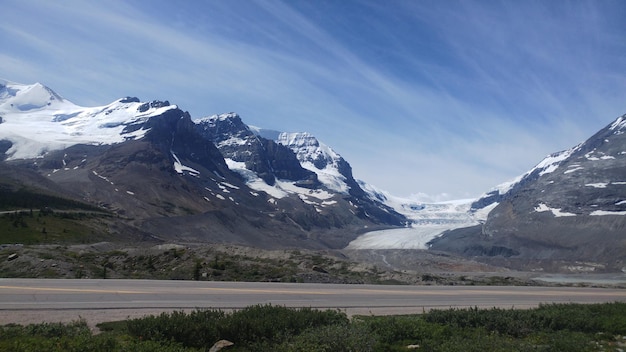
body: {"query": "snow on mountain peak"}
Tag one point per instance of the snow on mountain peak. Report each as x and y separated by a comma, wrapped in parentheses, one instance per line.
(36, 120)
(317, 157)
(548, 165)
(22, 97)
(309, 149)
(218, 117)
(619, 124)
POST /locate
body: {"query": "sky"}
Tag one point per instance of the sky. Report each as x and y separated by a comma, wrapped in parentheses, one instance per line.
(429, 99)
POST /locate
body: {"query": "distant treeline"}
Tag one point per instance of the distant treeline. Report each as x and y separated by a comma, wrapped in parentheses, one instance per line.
(30, 199)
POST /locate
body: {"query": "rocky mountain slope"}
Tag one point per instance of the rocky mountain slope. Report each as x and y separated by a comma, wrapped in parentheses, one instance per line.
(161, 176)
(171, 178)
(570, 210)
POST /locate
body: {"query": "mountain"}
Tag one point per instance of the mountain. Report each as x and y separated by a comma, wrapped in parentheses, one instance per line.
(293, 165)
(567, 213)
(169, 178)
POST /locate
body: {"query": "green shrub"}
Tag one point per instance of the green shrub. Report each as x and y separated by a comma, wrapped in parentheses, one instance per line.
(249, 326)
(46, 330)
(607, 317)
(331, 338)
(268, 323)
(196, 329)
(554, 327)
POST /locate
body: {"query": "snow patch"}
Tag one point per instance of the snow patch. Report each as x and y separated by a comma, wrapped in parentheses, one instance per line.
(619, 124)
(605, 212)
(280, 189)
(569, 171)
(229, 185)
(181, 169)
(95, 173)
(556, 212)
(552, 162)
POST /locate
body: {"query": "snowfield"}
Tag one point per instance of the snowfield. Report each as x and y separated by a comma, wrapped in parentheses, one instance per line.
(428, 221)
(407, 238)
(59, 123)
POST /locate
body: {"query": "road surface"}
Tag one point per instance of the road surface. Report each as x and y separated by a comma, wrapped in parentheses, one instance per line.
(25, 301)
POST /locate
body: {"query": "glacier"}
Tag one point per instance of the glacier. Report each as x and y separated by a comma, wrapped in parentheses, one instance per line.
(36, 120)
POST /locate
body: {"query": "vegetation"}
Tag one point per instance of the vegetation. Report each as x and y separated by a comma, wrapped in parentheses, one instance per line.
(24, 198)
(44, 226)
(555, 327)
(171, 262)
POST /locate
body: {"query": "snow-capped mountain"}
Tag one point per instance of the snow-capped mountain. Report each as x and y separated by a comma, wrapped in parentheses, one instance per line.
(252, 156)
(549, 164)
(331, 169)
(36, 120)
(169, 177)
(571, 206)
(291, 164)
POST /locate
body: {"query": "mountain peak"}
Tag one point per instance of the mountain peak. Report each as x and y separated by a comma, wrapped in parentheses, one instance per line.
(35, 107)
(24, 97)
(619, 124)
(219, 117)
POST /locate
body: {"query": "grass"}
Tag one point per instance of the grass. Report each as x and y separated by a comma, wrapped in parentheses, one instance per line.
(554, 327)
(41, 227)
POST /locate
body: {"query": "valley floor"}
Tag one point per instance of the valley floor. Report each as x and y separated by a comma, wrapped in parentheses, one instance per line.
(227, 262)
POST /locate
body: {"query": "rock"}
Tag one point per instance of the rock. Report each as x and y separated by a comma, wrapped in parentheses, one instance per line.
(319, 269)
(220, 344)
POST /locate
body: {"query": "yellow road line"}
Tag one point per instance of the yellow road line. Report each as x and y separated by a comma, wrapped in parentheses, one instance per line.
(71, 289)
(256, 290)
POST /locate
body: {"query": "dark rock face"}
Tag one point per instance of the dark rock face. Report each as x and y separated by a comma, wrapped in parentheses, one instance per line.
(130, 100)
(5, 145)
(571, 207)
(269, 160)
(285, 165)
(146, 106)
(309, 150)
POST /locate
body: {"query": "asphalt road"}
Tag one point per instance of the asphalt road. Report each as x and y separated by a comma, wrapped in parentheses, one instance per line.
(35, 300)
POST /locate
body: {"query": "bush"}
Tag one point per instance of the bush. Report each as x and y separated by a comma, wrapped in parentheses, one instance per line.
(267, 322)
(607, 317)
(199, 328)
(249, 326)
(331, 338)
(46, 330)
(555, 327)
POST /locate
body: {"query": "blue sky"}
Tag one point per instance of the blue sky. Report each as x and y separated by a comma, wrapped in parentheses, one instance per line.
(437, 99)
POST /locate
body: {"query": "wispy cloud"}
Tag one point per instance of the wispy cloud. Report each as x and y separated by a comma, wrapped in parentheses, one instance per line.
(426, 90)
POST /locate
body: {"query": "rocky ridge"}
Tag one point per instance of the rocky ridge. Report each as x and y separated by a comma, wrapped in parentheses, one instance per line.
(570, 207)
